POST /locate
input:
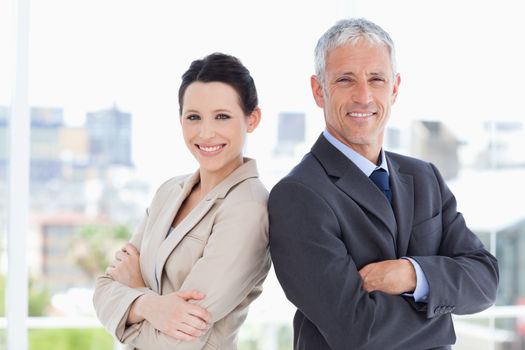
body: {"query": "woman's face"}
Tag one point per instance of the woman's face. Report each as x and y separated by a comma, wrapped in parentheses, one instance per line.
(214, 126)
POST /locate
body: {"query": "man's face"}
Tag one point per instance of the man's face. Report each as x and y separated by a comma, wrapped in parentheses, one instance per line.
(359, 90)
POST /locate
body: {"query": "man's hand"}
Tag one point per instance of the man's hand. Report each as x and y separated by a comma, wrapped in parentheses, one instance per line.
(126, 267)
(173, 314)
(390, 276)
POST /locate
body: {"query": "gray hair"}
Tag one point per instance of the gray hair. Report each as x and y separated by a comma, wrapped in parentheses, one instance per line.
(350, 31)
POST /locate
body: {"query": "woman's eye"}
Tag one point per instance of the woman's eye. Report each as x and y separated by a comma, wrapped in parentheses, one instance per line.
(193, 117)
(222, 116)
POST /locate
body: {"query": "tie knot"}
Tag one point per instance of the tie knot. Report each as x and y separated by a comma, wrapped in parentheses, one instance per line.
(380, 178)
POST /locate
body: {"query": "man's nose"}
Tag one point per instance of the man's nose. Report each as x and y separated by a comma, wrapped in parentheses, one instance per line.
(362, 94)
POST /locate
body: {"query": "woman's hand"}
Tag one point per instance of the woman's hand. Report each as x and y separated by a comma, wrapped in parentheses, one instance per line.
(126, 267)
(173, 314)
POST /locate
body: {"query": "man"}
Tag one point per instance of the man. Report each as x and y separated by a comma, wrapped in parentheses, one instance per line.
(371, 266)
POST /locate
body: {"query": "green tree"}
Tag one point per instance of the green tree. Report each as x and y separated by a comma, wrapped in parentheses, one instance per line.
(38, 298)
(92, 248)
(67, 339)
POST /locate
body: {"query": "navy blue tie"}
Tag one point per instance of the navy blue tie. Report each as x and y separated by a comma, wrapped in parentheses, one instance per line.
(380, 178)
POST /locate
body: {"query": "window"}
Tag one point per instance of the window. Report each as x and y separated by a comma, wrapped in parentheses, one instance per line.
(104, 133)
(6, 67)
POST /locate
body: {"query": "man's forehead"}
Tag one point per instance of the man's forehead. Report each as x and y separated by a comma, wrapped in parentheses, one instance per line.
(374, 57)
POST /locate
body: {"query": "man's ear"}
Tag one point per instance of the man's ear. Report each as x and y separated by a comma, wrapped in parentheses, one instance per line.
(397, 82)
(317, 90)
(254, 119)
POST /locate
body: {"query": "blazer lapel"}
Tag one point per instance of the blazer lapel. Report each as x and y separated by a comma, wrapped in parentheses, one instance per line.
(178, 233)
(403, 203)
(160, 227)
(245, 171)
(355, 183)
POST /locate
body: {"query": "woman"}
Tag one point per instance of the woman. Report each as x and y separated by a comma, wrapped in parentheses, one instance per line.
(200, 255)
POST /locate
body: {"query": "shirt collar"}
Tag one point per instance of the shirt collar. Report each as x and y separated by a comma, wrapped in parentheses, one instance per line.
(366, 166)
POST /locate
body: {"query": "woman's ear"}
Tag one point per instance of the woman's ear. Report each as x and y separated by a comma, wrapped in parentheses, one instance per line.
(253, 119)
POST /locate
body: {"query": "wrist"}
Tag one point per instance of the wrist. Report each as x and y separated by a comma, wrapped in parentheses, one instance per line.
(139, 309)
(412, 276)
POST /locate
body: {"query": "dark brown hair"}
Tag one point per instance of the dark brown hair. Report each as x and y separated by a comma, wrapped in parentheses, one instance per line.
(219, 67)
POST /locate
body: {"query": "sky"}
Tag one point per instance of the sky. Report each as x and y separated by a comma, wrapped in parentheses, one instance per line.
(460, 61)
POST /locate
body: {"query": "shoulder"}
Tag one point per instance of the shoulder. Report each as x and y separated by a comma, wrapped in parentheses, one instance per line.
(308, 174)
(243, 185)
(244, 210)
(172, 183)
(427, 178)
(250, 190)
(306, 171)
(410, 164)
(167, 188)
(307, 185)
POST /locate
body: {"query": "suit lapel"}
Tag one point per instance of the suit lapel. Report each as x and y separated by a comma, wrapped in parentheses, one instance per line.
(166, 246)
(403, 204)
(355, 183)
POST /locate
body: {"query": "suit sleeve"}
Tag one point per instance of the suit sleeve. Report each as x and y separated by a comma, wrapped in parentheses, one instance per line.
(463, 277)
(112, 300)
(235, 261)
(320, 278)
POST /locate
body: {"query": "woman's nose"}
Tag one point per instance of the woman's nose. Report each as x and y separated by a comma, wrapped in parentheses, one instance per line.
(207, 129)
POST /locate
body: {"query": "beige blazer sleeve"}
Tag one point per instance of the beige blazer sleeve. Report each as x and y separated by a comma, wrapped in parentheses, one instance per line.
(112, 300)
(235, 260)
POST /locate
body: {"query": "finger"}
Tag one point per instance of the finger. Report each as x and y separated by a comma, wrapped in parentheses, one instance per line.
(189, 330)
(369, 267)
(367, 286)
(365, 271)
(120, 255)
(200, 312)
(109, 270)
(192, 294)
(130, 249)
(196, 322)
(182, 336)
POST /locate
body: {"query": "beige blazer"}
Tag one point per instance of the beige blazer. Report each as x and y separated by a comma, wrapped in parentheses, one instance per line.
(220, 249)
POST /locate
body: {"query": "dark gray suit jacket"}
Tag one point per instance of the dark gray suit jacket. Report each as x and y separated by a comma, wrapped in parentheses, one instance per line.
(328, 220)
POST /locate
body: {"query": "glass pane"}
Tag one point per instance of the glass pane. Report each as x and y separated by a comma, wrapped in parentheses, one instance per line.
(454, 121)
(6, 69)
(105, 134)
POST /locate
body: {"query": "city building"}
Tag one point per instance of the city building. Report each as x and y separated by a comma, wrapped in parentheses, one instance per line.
(109, 133)
(290, 132)
(433, 142)
(503, 145)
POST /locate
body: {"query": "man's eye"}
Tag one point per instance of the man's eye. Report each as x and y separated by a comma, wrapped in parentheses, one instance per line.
(377, 80)
(222, 116)
(343, 80)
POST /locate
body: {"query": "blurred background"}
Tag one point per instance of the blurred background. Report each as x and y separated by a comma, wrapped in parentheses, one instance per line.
(99, 82)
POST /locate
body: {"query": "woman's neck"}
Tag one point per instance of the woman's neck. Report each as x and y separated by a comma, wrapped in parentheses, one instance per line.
(210, 179)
